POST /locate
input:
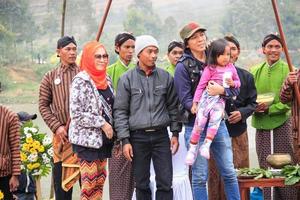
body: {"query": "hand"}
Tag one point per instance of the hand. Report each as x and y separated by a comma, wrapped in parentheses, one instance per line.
(214, 89)
(229, 82)
(62, 133)
(194, 108)
(174, 145)
(117, 150)
(107, 129)
(261, 108)
(234, 117)
(128, 152)
(13, 183)
(293, 77)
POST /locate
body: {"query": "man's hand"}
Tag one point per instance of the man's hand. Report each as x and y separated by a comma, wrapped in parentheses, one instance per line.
(128, 152)
(107, 129)
(261, 108)
(194, 108)
(174, 145)
(234, 117)
(62, 133)
(13, 183)
(213, 88)
(293, 77)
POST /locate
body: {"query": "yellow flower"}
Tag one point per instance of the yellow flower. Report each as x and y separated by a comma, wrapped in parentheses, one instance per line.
(41, 149)
(30, 166)
(1, 195)
(33, 150)
(25, 147)
(29, 140)
(36, 143)
(36, 165)
(23, 157)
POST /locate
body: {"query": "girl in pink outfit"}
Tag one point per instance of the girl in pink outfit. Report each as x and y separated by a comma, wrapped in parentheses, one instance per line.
(211, 108)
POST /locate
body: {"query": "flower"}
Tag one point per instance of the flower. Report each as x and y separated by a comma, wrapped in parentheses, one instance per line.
(1, 195)
(36, 150)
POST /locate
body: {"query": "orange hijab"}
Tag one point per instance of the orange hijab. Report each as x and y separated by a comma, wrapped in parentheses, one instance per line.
(87, 64)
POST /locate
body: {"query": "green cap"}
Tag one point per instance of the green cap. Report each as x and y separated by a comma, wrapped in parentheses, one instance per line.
(188, 30)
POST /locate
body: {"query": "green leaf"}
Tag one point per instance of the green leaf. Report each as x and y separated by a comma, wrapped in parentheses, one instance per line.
(291, 180)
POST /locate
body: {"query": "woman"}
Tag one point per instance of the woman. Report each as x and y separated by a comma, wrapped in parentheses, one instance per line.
(90, 132)
(175, 51)
(188, 71)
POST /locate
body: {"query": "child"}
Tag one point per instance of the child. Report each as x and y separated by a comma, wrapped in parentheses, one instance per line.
(211, 108)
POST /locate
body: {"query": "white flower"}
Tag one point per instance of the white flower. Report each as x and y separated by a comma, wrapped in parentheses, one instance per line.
(33, 157)
(44, 156)
(46, 160)
(22, 167)
(50, 152)
(26, 129)
(36, 172)
(28, 135)
(47, 140)
(33, 130)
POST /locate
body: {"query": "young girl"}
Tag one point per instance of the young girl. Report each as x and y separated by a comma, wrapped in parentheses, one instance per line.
(211, 108)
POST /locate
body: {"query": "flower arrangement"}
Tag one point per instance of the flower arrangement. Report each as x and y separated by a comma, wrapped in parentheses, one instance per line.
(1, 195)
(36, 150)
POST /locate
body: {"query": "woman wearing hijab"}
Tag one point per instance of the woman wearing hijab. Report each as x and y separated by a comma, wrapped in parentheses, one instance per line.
(90, 131)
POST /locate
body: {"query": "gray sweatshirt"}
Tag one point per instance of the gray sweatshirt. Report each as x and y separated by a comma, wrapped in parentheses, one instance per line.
(145, 102)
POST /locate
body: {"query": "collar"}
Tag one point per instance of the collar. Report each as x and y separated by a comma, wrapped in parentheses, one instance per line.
(267, 64)
(143, 72)
(123, 64)
(64, 68)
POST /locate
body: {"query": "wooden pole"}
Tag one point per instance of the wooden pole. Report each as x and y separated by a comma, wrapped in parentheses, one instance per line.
(103, 20)
(285, 48)
(63, 18)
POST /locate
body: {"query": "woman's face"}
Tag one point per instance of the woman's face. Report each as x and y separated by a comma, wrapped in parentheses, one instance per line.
(234, 52)
(175, 54)
(197, 42)
(101, 59)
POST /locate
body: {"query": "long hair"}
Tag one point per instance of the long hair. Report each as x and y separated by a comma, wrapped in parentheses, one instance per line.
(216, 49)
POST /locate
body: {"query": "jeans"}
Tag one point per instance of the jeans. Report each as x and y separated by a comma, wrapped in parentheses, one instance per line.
(155, 145)
(222, 153)
(25, 196)
(57, 176)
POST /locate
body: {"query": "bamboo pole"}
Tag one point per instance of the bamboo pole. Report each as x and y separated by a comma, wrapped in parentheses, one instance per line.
(101, 25)
(63, 18)
(285, 48)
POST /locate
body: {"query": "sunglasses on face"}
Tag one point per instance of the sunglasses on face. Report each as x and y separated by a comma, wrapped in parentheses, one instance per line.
(99, 56)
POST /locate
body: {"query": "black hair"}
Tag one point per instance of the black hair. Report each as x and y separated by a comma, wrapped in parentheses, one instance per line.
(174, 44)
(231, 38)
(216, 49)
(269, 37)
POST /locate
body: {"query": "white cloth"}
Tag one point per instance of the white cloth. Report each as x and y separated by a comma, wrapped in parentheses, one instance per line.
(181, 183)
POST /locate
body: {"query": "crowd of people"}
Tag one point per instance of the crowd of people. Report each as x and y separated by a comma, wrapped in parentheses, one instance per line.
(118, 116)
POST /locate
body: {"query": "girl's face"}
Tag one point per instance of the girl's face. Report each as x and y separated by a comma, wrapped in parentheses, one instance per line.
(101, 59)
(197, 42)
(224, 59)
(175, 54)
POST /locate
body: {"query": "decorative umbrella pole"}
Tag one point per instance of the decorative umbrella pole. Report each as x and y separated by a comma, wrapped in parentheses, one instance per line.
(103, 20)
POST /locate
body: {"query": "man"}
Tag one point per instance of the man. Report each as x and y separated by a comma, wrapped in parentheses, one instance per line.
(272, 121)
(121, 183)
(175, 51)
(145, 105)
(10, 160)
(188, 72)
(238, 111)
(54, 106)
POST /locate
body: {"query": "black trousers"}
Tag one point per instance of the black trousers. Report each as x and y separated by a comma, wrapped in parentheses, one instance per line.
(60, 194)
(153, 145)
(4, 187)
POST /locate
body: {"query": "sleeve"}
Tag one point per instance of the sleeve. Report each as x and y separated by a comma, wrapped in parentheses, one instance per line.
(172, 106)
(121, 109)
(250, 103)
(80, 105)
(235, 77)
(205, 78)
(14, 144)
(45, 100)
(183, 86)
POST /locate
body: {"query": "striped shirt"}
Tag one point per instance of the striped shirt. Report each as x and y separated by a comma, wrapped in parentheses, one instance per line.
(54, 100)
(10, 161)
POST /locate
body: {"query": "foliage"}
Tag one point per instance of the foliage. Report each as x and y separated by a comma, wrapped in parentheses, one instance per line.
(291, 173)
(36, 150)
(256, 172)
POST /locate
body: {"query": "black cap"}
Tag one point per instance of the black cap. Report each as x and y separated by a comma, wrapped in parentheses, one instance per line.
(64, 41)
(24, 116)
(269, 37)
(123, 37)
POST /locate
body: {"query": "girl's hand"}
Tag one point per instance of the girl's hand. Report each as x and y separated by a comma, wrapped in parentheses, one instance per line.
(214, 89)
(194, 108)
(229, 82)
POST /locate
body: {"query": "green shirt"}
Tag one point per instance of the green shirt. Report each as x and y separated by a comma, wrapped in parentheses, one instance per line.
(171, 69)
(270, 79)
(116, 70)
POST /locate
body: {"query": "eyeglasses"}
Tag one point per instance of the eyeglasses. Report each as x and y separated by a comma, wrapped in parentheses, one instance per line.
(99, 56)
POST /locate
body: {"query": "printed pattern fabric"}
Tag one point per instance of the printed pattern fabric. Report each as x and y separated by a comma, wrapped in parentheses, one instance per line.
(93, 175)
